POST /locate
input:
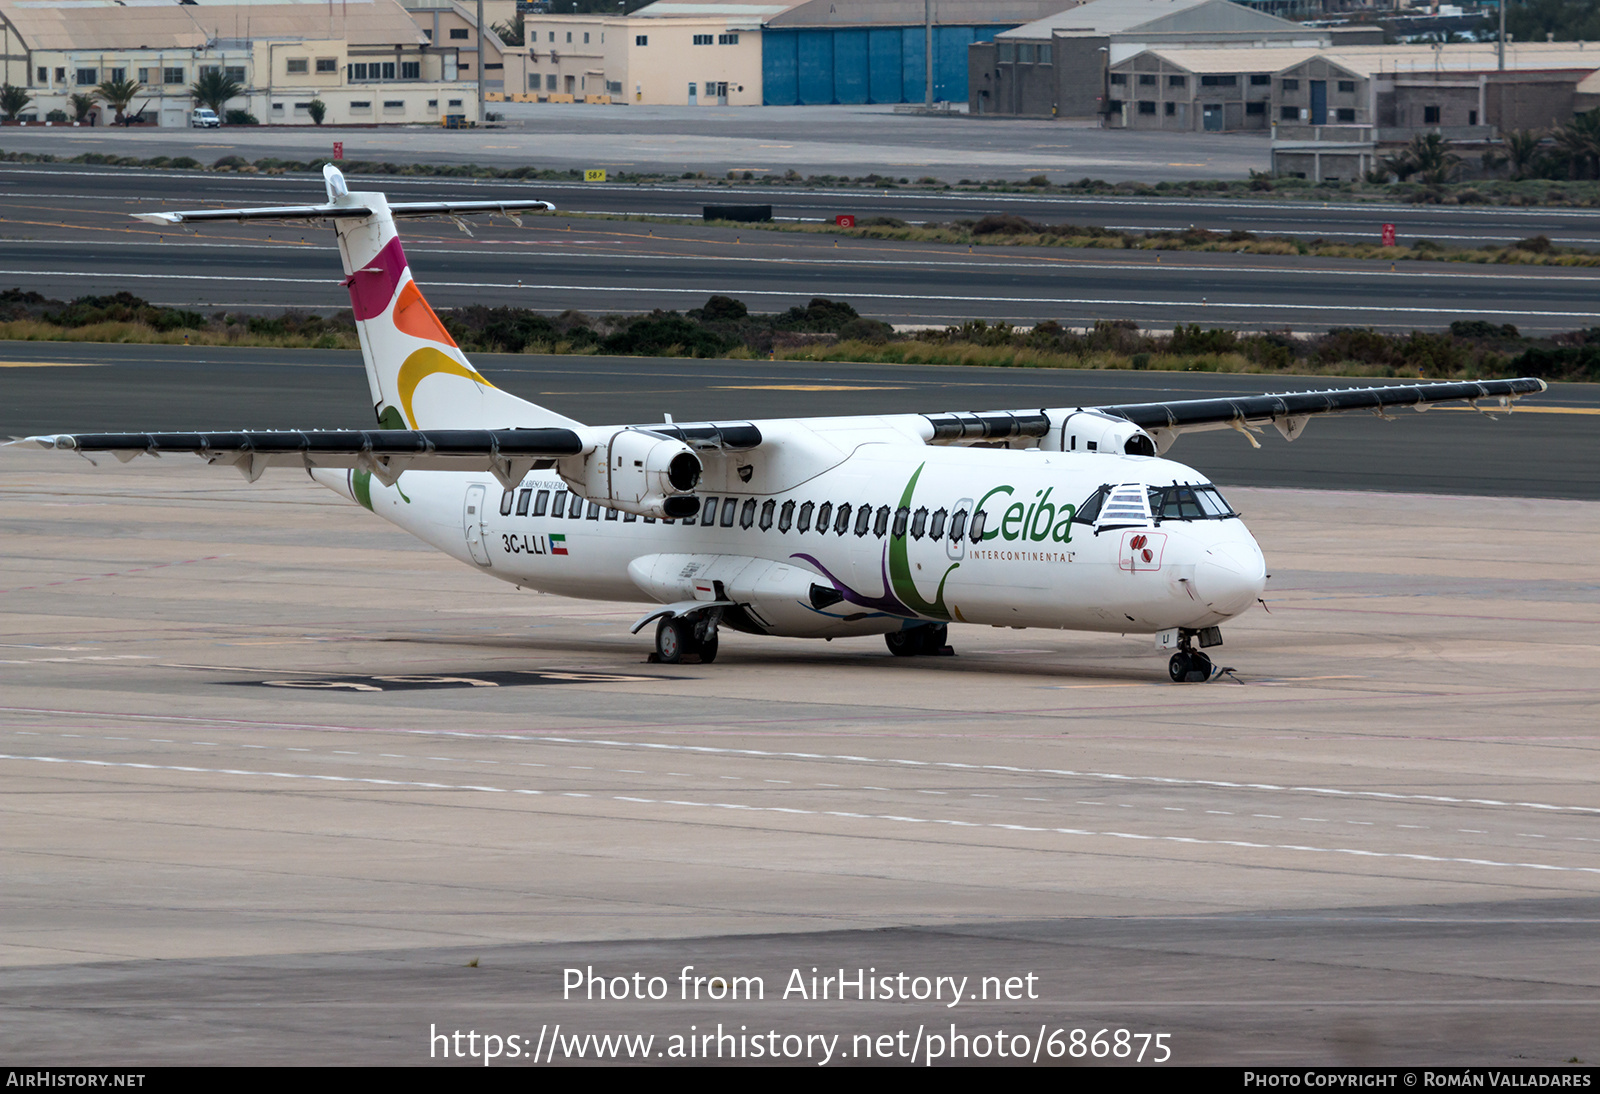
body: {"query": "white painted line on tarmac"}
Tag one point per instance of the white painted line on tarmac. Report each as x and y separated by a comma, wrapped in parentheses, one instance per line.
(892, 818)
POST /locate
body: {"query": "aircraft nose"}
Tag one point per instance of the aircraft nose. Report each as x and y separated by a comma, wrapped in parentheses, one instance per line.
(1231, 576)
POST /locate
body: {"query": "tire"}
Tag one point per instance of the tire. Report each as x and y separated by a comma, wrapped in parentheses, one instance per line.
(708, 650)
(1199, 668)
(1178, 667)
(934, 639)
(904, 643)
(673, 640)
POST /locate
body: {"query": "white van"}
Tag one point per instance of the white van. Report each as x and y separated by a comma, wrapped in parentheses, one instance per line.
(204, 118)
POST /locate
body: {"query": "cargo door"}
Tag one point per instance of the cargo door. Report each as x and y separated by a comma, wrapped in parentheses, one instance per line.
(472, 523)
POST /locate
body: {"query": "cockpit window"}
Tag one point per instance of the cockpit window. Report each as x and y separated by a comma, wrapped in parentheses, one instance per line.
(1089, 511)
(1188, 503)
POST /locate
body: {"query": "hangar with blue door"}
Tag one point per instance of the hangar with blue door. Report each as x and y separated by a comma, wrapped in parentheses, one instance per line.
(864, 51)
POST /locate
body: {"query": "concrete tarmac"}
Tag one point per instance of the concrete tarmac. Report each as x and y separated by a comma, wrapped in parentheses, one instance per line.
(284, 786)
(68, 233)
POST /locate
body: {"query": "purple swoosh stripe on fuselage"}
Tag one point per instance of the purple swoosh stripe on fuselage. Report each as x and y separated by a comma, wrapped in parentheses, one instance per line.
(888, 602)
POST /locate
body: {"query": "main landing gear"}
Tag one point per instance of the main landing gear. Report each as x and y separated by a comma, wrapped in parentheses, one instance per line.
(686, 637)
(928, 641)
(1189, 665)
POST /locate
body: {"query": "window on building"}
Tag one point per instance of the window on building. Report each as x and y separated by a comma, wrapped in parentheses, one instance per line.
(278, 107)
(1347, 86)
(1288, 113)
(144, 75)
(455, 104)
(88, 77)
(569, 37)
(361, 104)
(1006, 53)
(585, 37)
(433, 104)
(394, 104)
(459, 34)
(1044, 54)
(428, 34)
(388, 70)
(44, 75)
(1430, 115)
(1171, 109)
(358, 72)
(234, 73)
(1147, 107)
(327, 64)
(1255, 108)
(172, 76)
(1026, 53)
(304, 108)
(1147, 79)
(297, 66)
(727, 39)
(1118, 79)
(702, 39)
(1260, 79)
(1290, 85)
(1177, 81)
(552, 36)
(411, 70)
(1219, 81)
(550, 82)
(1347, 114)
(641, 39)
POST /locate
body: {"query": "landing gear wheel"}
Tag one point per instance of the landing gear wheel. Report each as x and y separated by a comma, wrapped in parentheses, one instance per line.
(1199, 668)
(904, 643)
(708, 649)
(1177, 668)
(673, 639)
(935, 640)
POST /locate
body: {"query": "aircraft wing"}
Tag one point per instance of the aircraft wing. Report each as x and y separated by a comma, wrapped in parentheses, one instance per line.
(400, 210)
(1289, 412)
(508, 454)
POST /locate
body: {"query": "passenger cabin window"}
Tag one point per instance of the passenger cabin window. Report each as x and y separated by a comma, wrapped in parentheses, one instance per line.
(901, 516)
(747, 513)
(786, 517)
(863, 519)
(523, 501)
(730, 506)
(804, 523)
(708, 515)
(978, 520)
(824, 515)
(558, 508)
(919, 523)
(594, 510)
(841, 523)
(766, 514)
(880, 523)
(936, 526)
(958, 525)
(505, 502)
(630, 518)
(575, 508)
(611, 514)
(541, 502)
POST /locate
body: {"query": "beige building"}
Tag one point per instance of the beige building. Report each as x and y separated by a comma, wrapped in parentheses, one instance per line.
(366, 60)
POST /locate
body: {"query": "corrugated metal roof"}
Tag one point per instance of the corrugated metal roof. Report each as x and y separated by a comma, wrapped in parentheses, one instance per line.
(1376, 60)
(716, 9)
(1102, 17)
(65, 25)
(861, 13)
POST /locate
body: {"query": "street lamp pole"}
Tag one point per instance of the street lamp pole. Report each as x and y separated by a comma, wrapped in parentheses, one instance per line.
(927, 44)
(481, 52)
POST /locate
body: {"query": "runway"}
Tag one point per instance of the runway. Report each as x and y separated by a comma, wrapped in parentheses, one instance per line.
(67, 233)
(284, 786)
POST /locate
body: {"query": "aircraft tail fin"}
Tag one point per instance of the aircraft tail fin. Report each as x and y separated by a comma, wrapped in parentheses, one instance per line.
(419, 377)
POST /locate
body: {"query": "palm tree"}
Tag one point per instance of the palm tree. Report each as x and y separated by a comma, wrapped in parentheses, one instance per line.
(1432, 157)
(1522, 151)
(12, 101)
(119, 95)
(214, 89)
(1579, 143)
(1400, 165)
(509, 32)
(82, 103)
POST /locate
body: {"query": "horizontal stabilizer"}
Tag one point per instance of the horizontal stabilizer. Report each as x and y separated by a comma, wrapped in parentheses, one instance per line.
(402, 210)
(508, 454)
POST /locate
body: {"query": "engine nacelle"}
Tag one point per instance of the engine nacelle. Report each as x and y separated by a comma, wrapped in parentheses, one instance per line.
(636, 471)
(1094, 431)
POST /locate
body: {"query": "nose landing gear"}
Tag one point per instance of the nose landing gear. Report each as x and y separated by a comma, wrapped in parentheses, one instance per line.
(1189, 665)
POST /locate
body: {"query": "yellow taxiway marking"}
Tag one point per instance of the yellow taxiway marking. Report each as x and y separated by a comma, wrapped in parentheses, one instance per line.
(50, 364)
(804, 387)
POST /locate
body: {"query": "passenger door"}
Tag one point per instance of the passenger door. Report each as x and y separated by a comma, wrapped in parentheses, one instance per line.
(472, 523)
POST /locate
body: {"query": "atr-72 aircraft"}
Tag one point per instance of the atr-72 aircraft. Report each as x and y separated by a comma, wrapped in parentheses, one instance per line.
(897, 525)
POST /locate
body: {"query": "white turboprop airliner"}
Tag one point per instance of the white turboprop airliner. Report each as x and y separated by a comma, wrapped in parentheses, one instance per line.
(813, 527)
